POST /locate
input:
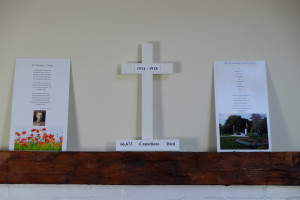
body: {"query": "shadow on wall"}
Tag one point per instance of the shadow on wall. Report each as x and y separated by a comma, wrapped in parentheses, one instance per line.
(73, 135)
(6, 129)
(279, 139)
(212, 139)
(158, 123)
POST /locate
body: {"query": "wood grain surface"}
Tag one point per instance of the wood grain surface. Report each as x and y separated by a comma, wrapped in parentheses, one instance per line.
(150, 168)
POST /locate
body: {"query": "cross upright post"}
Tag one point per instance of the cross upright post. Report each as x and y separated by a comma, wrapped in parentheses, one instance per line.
(147, 94)
(147, 68)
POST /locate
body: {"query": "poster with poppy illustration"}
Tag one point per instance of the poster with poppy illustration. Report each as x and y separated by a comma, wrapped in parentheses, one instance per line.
(40, 105)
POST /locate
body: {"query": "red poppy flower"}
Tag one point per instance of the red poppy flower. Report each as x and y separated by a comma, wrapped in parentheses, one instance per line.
(24, 144)
(45, 135)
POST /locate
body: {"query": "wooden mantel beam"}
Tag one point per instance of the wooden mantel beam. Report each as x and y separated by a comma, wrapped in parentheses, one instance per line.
(150, 168)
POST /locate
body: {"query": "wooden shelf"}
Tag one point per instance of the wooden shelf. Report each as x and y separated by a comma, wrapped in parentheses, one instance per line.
(150, 168)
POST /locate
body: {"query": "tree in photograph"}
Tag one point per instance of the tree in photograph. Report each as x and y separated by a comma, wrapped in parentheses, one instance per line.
(259, 124)
(264, 126)
(234, 123)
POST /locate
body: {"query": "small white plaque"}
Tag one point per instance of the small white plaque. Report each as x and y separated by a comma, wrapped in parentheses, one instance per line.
(147, 68)
(148, 145)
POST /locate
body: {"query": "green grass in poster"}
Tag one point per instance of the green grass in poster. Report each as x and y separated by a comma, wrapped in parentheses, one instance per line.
(38, 147)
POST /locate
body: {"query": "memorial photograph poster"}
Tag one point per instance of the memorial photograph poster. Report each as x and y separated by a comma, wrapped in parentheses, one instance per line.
(242, 109)
(39, 118)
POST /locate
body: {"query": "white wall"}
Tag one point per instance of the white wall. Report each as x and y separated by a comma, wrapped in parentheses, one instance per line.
(99, 35)
(71, 192)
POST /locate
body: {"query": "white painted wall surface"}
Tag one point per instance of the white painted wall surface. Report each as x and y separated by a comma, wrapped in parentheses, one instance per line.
(99, 35)
(92, 192)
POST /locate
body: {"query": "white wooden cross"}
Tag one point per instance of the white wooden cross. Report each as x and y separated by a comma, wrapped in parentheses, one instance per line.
(147, 68)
